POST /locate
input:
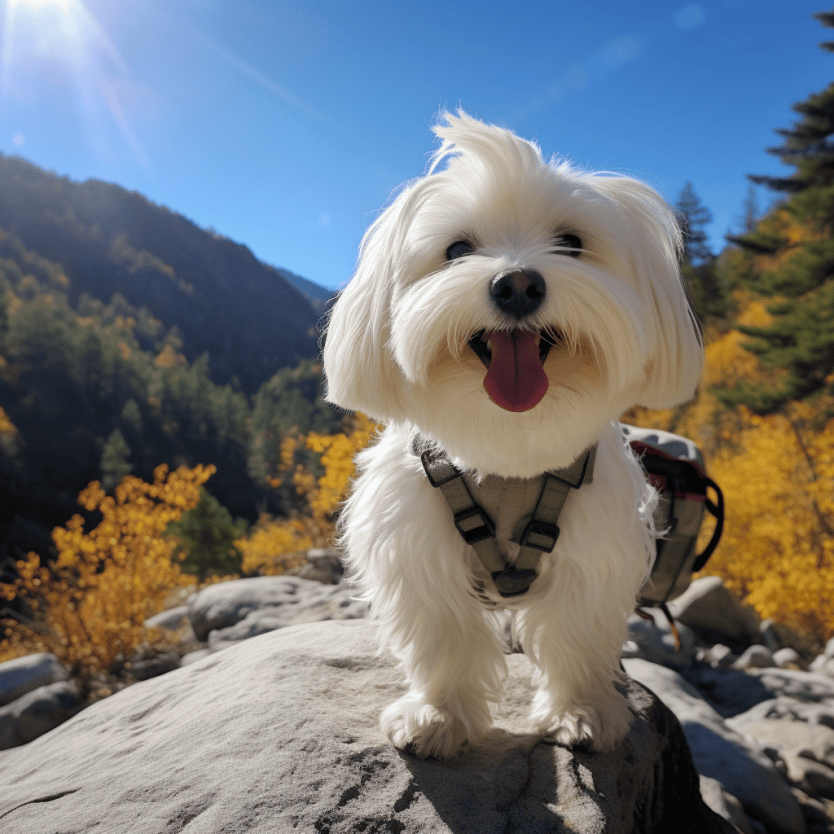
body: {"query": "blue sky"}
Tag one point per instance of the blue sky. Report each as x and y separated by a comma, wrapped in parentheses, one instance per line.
(287, 125)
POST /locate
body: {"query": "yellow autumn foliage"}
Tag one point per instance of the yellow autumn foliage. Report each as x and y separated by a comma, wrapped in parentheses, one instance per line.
(89, 607)
(777, 550)
(276, 545)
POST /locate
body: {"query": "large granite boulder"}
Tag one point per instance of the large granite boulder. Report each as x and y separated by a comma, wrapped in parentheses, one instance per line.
(280, 733)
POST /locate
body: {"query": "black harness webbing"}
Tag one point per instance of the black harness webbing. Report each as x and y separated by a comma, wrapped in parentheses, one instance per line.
(477, 527)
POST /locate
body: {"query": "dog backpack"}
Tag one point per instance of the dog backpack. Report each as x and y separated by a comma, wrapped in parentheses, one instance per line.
(675, 466)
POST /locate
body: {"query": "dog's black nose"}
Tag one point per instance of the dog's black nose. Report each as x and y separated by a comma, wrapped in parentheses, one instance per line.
(518, 291)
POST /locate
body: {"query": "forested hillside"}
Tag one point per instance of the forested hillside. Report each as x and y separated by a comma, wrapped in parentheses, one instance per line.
(224, 302)
(112, 361)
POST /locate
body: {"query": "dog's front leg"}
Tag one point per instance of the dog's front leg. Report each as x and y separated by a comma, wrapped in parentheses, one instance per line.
(576, 650)
(454, 663)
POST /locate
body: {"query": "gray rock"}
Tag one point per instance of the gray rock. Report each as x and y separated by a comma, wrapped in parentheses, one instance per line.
(730, 691)
(733, 691)
(173, 619)
(152, 667)
(787, 658)
(282, 734)
(712, 611)
(653, 640)
(23, 674)
(809, 775)
(724, 804)
(720, 752)
(812, 741)
(720, 655)
(822, 664)
(785, 707)
(279, 601)
(755, 657)
(35, 713)
(767, 632)
(805, 686)
(323, 565)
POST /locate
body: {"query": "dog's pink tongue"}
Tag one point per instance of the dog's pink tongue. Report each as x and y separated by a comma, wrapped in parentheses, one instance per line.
(516, 379)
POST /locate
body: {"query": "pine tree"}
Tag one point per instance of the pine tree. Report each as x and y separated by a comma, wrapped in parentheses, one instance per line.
(798, 237)
(694, 217)
(698, 263)
(114, 461)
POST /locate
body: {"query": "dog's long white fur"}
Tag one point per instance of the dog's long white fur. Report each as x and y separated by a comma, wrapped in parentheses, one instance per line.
(396, 348)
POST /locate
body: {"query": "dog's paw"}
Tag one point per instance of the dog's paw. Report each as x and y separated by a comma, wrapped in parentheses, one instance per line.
(586, 726)
(423, 729)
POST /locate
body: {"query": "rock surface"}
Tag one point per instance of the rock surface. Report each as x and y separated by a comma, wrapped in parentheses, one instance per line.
(23, 674)
(281, 733)
(37, 712)
(710, 609)
(720, 752)
(249, 607)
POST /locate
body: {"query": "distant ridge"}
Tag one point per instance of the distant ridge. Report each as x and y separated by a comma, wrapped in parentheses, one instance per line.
(250, 318)
(317, 294)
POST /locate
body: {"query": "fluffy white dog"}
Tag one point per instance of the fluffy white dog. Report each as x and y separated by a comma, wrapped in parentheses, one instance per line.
(505, 311)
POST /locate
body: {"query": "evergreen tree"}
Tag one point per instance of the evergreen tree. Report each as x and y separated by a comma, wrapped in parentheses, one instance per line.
(114, 461)
(798, 233)
(206, 538)
(693, 217)
(698, 263)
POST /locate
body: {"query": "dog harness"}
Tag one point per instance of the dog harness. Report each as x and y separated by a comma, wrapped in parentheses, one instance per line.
(490, 512)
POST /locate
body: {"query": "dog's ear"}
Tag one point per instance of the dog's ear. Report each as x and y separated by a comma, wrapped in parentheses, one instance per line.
(361, 373)
(676, 348)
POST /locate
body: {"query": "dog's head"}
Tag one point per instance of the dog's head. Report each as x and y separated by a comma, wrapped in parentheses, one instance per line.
(505, 300)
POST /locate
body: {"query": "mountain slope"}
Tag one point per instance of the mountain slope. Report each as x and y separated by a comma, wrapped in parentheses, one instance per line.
(222, 300)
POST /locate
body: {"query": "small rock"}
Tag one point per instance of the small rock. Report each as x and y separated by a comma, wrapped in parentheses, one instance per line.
(273, 601)
(152, 667)
(24, 674)
(812, 777)
(324, 565)
(720, 655)
(805, 686)
(812, 741)
(724, 804)
(822, 664)
(787, 658)
(654, 641)
(37, 712)
(714, 613)
(755, 657)
(785, 707)
(767, 631)
(173, 619)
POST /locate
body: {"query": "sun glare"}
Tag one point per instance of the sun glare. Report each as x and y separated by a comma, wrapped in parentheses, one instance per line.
(46, 42)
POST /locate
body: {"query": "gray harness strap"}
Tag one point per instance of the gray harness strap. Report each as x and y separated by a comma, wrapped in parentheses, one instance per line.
(476, 525)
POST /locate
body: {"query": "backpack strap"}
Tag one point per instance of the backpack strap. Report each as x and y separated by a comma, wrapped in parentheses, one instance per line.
(478, 530)
(716, 508)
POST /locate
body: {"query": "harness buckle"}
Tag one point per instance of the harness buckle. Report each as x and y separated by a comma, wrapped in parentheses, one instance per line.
(473, 535)
(546, 532)
(512, 582)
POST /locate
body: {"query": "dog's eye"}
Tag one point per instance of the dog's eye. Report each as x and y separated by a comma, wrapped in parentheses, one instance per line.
(569, 245)
(458, 249)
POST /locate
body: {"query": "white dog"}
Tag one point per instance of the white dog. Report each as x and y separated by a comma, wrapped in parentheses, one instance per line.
(505, 311)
